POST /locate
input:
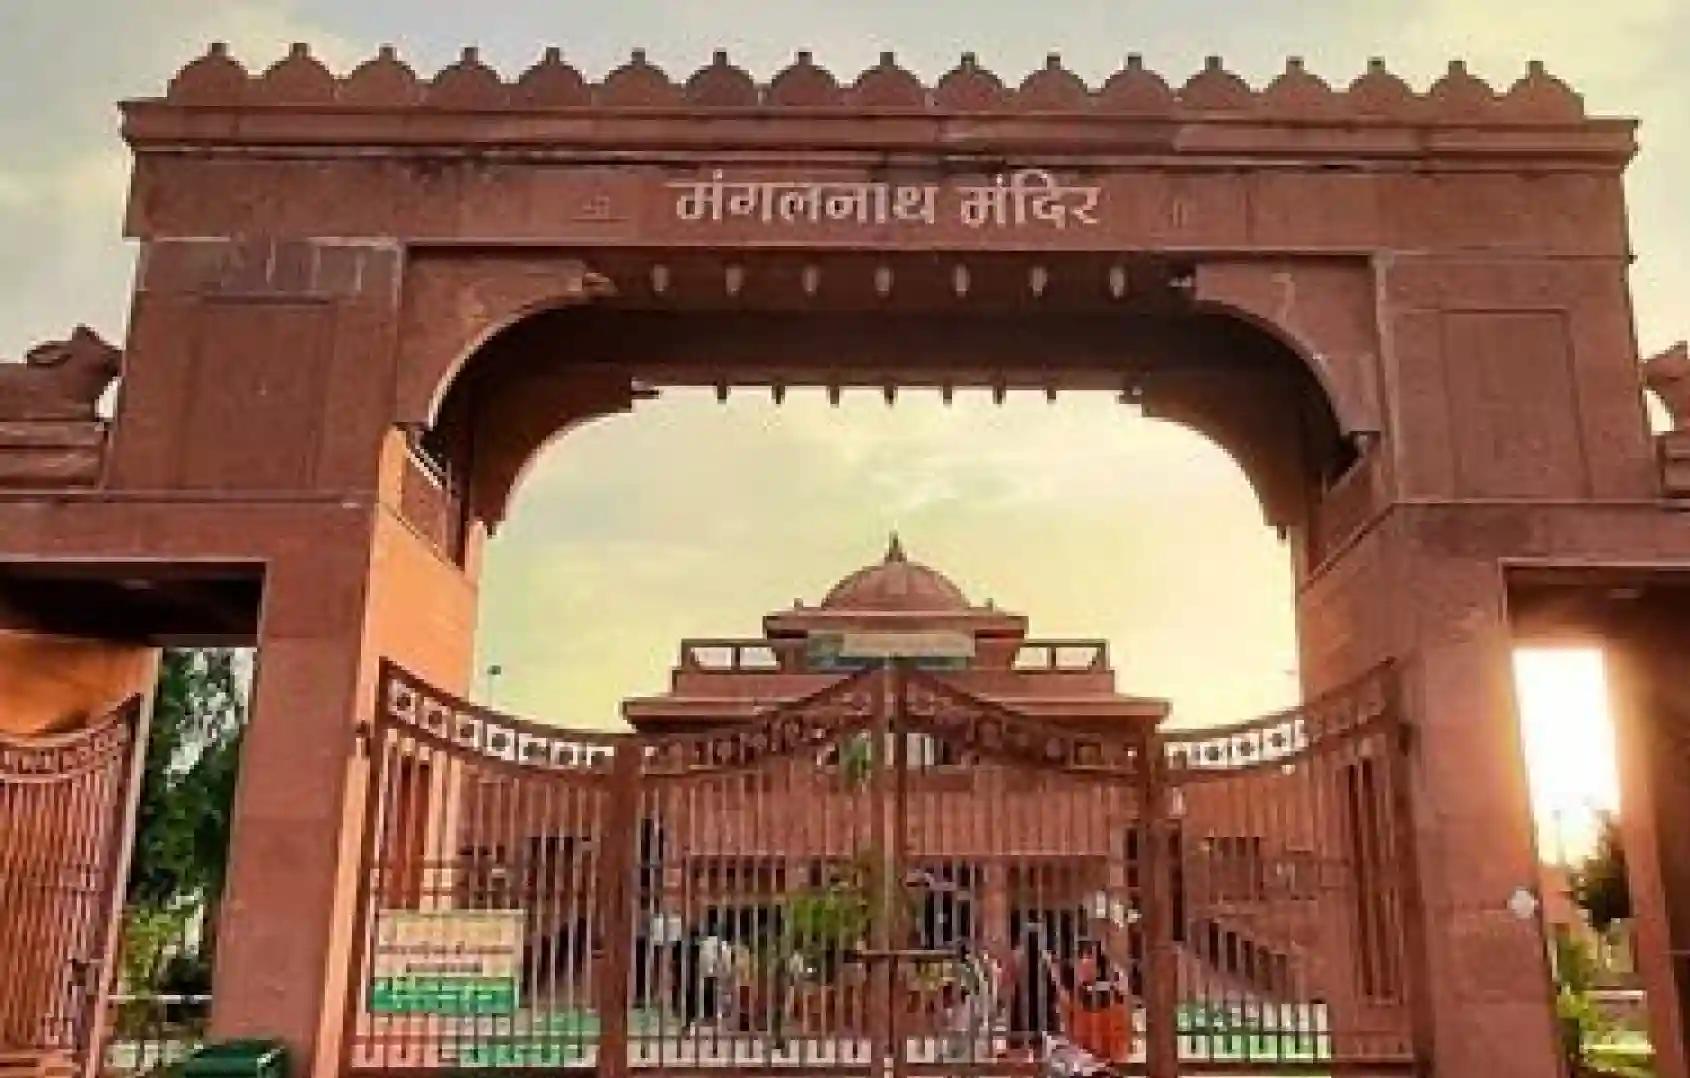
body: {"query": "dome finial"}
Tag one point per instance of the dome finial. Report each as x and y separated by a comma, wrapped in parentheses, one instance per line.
(894, 549)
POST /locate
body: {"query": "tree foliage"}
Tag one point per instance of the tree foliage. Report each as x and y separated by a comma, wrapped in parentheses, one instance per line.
(187, 794)
(1581, 1020)
(1599, 885)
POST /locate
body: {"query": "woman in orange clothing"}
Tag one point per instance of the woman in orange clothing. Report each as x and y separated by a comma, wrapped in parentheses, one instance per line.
(1099, 1015)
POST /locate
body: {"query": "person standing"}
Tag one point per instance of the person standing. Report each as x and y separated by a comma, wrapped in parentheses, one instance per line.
(1097, 1016)
(1035, 995)
(970, 1008)
(714, 962)
(684, 981)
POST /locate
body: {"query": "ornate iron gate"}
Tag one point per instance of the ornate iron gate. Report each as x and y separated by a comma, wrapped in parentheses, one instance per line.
(66, 815)
(1295, 922)
(888, 877)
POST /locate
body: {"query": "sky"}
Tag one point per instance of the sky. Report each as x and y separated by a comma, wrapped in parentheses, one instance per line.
(694, 518)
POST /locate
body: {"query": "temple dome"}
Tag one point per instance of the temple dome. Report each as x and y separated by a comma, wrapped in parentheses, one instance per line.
(896, 584)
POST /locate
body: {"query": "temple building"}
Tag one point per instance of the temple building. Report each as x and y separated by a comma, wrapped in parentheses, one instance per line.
(719, 681)
(990, 849)
(975, 873)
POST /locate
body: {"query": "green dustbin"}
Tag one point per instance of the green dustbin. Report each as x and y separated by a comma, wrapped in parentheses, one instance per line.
(238, 1059)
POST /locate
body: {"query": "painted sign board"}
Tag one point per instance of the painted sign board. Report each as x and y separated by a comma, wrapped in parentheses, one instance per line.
(453, 962)
(897, 645)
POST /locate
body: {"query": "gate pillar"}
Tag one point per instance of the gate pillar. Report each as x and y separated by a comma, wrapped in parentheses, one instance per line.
(615, 897)
(1415, 590)
(1651, 706)
(330, 615)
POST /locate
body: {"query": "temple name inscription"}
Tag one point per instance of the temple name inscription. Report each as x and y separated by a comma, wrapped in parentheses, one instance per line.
(1028, 196)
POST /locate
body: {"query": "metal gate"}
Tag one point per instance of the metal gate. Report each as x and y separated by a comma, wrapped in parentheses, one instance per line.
(1296, 921)
(888, 877)
(66, 814)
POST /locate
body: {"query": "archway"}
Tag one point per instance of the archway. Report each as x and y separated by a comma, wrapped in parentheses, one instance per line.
(320, 253)
(541, 375)
(1213, 372)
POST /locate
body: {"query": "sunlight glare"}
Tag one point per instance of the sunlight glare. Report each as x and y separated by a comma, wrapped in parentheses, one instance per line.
(1569, 745)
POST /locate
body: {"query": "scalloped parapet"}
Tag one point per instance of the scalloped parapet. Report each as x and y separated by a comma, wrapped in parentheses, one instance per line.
(1136, 88)
(1215, 89)
(469, 84)
(722, 85)
(383, 81)
(551, 83)
(804, 84)
(968, 87)
(1053, 88)
(1300, 92)
(1377, 92)
(297, 79)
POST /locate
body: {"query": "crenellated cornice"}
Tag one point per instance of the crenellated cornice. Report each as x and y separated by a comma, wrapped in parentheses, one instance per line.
(387, 82)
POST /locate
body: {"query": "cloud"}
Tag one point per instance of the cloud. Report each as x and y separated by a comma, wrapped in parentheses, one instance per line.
(64, 177)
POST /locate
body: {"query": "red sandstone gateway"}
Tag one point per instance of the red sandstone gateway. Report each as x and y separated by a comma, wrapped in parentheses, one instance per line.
(365, 302)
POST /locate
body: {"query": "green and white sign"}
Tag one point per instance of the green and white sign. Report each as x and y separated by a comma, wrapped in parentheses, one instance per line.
(451, 962)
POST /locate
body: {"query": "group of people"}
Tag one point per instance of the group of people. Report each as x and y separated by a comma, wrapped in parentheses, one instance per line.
(704, 970)
(711, 974)
(1036, 998)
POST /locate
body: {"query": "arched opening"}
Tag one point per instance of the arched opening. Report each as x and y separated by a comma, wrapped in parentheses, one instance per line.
(969, 350)
(692, 518)
(989, 324)
(1078, 571)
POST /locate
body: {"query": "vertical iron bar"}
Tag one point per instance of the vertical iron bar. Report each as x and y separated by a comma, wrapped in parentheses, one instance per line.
(138, 720)
(899, 845)
(1161, 1035)
(374, 751)
(615, 902)
(1417, 977)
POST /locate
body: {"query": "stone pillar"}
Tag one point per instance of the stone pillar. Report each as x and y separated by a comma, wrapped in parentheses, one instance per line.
(374, 591)
(285, 907)
(1414, 591)
(258, 390)
(1651, 708)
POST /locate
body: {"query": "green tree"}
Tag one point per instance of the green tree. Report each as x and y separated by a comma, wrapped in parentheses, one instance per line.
(1582, 1022)
(856, 760)
(193, 752)
(1599, 885)
(182, 820)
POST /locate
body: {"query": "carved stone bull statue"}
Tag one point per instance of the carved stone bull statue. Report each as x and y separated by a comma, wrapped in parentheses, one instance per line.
(1668, 374)
(59, 380)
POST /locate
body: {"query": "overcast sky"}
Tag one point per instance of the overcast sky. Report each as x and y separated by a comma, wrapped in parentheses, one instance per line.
(694, 518)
